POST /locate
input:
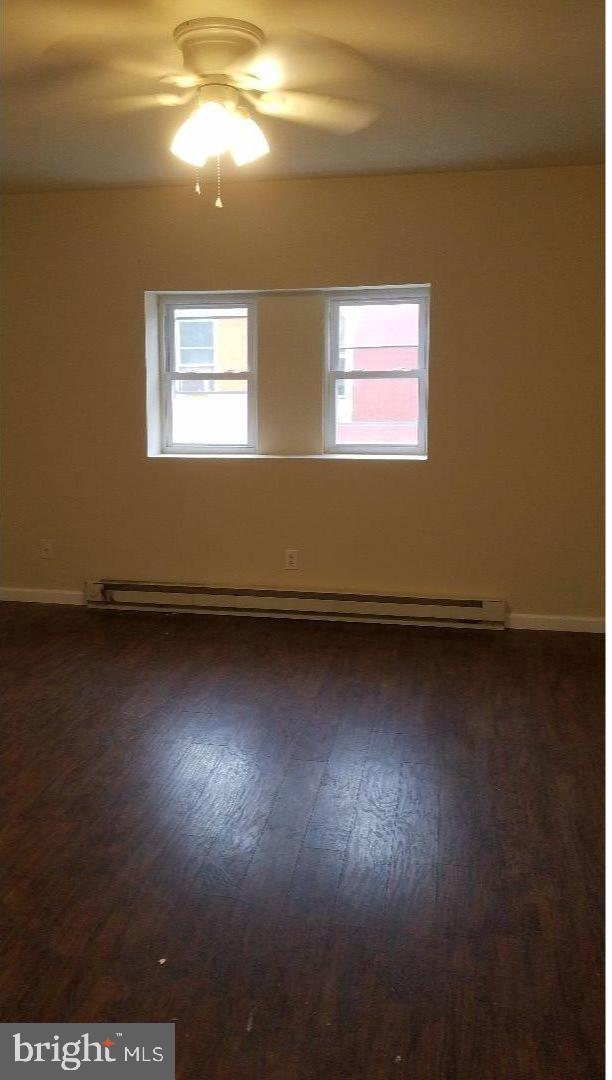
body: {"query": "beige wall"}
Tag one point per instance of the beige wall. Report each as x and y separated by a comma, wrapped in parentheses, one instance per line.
(508, 503)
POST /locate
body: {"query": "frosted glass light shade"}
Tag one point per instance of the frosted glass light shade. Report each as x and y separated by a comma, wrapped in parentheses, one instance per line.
(207, 132)
(248, 141)
(214, 128)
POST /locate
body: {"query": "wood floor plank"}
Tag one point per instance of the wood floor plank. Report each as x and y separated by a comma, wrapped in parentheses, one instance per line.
(413, 878)
(292, 809)
(362, 892)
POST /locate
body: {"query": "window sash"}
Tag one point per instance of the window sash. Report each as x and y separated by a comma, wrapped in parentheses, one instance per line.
(170, 344)
(169, 374)
(335, 373)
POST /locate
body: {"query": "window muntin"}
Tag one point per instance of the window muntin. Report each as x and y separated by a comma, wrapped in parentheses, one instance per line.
(208, 376)
(376, 393)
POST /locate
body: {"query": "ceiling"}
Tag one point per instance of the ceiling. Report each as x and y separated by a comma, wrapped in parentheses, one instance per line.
(461, 84)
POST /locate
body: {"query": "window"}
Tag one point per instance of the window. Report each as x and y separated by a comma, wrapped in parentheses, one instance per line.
(208, 374)
(376, 392)
(325, 372)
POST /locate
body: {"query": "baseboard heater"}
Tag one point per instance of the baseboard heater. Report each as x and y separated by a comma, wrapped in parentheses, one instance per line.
(296, 604)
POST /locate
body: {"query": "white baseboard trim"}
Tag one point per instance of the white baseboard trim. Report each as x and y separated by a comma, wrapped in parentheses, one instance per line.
(41, 596)
(572, 624)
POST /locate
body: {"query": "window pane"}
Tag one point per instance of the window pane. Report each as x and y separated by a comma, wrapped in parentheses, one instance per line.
(378, 337)
(196, 332)
(218, 334)
(377, 411)
(213, 415)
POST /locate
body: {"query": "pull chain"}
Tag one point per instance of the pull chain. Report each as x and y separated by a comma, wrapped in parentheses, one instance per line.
(218, 201)
(198, 185)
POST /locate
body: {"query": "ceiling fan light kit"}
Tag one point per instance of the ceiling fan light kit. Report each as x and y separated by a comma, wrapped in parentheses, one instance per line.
(224, 62)
(220, 122)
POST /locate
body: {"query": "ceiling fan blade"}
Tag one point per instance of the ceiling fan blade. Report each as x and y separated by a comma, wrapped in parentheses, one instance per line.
(48, 76)
(139, 67)
(62, 59)
(181, 79)
(301, 62)
(333, 114)
(139, 102)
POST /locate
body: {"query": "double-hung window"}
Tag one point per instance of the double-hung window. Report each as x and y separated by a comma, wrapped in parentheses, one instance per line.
(342, 372)
(208, 374)
(376, 384)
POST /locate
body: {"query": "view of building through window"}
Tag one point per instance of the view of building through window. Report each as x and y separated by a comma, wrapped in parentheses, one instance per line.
(211, 410)
(377, 338)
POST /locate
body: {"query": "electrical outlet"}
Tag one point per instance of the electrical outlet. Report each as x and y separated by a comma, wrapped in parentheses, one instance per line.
(291, 559)
(46, 549)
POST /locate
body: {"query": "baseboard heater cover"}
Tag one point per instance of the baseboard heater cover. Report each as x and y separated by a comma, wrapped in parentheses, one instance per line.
(296, 604)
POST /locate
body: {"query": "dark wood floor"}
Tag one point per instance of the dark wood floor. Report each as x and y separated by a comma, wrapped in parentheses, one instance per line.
(363, 851)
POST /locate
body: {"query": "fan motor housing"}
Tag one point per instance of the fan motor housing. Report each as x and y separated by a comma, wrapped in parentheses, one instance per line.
(211, 45)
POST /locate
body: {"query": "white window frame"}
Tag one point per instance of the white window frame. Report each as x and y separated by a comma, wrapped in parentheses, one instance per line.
(167, 305)
(404, 294)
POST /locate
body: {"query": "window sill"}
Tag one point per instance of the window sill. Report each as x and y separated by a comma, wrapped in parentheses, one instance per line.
(290, 457)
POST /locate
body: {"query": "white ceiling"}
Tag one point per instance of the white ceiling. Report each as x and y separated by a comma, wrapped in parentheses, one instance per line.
(462, 84)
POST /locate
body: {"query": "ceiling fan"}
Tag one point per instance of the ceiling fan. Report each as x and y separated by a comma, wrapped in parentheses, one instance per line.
(230, 72)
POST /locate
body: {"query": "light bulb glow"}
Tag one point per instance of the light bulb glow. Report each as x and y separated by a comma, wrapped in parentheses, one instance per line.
(214, 128)
(268, 72)
(248, 141)
(206, 133)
